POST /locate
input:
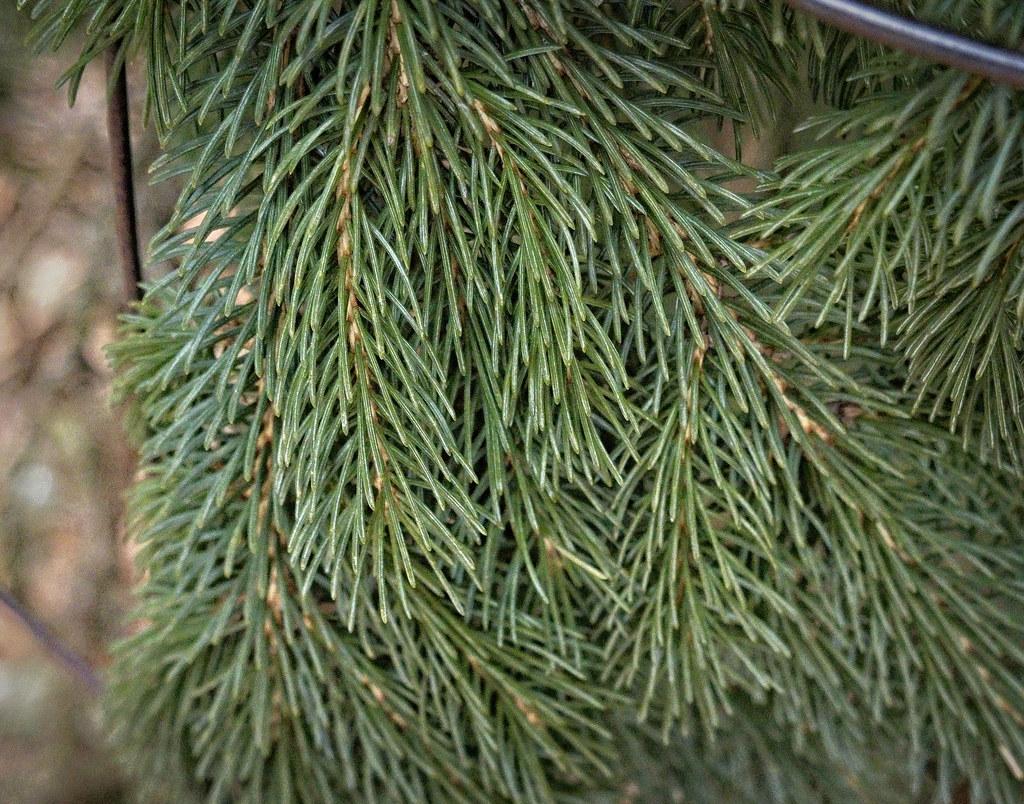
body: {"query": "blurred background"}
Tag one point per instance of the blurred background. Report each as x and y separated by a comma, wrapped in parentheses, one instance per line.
(64, 462)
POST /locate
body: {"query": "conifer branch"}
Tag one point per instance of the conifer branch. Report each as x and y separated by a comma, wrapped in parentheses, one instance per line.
(480, 415)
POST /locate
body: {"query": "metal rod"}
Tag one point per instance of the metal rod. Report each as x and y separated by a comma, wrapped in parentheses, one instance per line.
(75, 663)
(936, 44)
(119, 132)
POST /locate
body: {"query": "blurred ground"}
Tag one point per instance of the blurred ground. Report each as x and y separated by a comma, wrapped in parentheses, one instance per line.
(63, 459)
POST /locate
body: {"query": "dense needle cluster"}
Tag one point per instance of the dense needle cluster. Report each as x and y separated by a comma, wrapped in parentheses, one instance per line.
(491, 439)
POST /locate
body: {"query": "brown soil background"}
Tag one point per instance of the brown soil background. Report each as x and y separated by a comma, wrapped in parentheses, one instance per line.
(64, 462)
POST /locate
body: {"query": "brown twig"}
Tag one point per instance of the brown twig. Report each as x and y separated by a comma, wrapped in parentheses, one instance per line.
(119, 132)
(78, 666)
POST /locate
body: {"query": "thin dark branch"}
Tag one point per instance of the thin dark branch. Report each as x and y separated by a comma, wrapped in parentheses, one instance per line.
(936, 44)
(75, 663)
(118, 130)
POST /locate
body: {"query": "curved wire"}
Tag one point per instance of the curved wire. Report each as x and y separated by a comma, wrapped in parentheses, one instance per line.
(936, 44)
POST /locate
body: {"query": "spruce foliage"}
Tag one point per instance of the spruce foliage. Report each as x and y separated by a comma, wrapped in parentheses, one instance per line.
(495, 447)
